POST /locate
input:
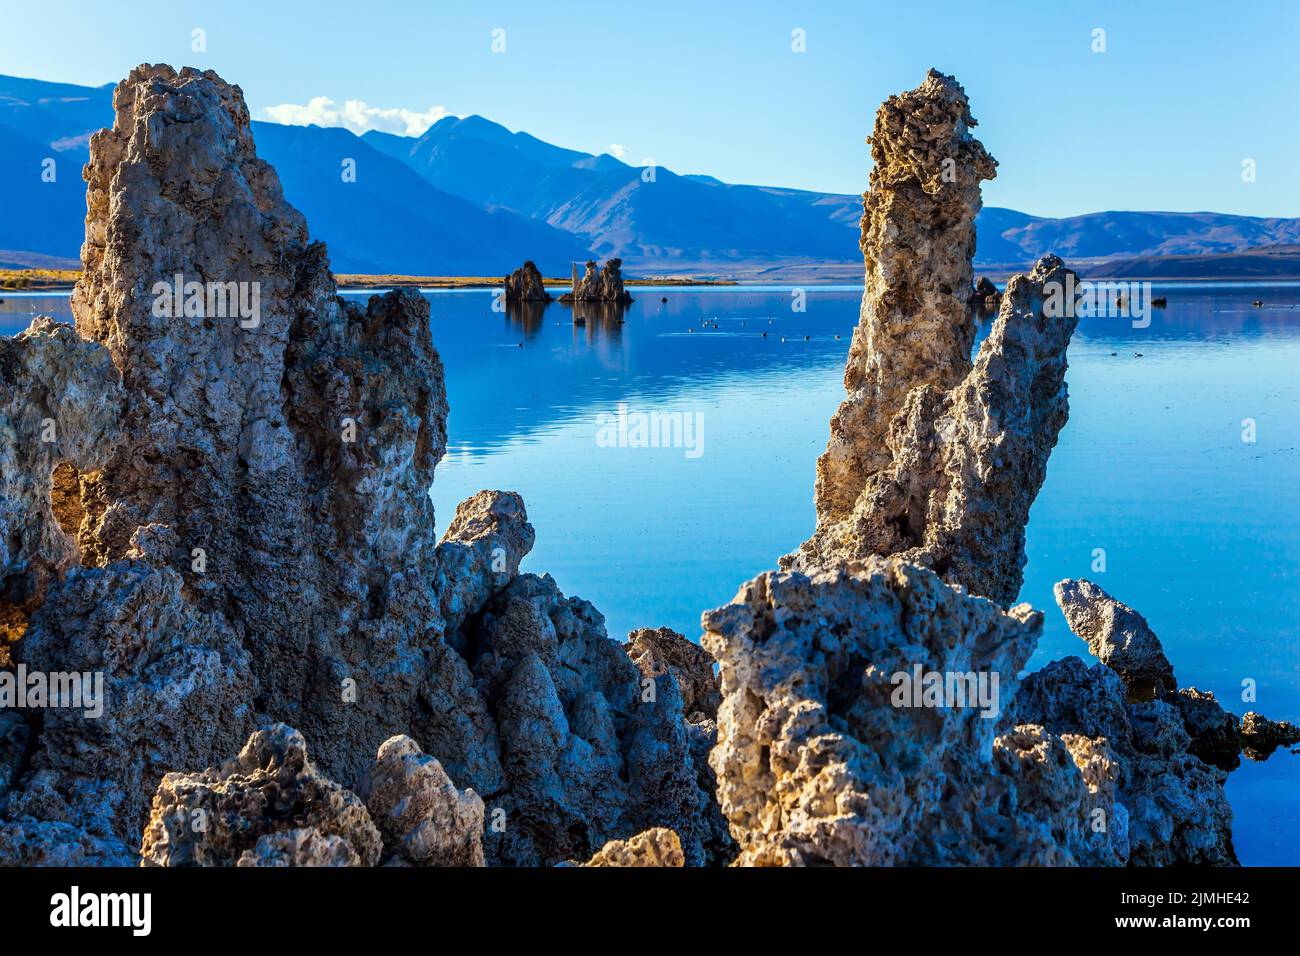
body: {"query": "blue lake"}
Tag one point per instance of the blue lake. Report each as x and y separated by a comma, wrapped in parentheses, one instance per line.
(1200, 529)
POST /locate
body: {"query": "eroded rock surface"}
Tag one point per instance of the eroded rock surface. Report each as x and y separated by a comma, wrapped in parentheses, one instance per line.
(1119, 637)
(824, 756)
(234, 530)
(525, 285)
(918, 237)
(60, 410)
(271, 801)
(659, 650)
(657, 847)
(591, 750)
(966, 464)
(1177, 812)
(424, 819)
(304, 846)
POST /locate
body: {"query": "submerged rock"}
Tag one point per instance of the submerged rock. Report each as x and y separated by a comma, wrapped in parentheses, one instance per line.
(605, 286)
(525, 285)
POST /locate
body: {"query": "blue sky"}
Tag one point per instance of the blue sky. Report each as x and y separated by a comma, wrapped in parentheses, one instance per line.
(1163, 119)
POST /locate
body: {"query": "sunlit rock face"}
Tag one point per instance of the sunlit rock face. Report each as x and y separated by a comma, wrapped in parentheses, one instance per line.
(827, 756)
(923, 495)
(918, 237)
(605, 285)
(234, 531)
(966, 463)
(931, 456)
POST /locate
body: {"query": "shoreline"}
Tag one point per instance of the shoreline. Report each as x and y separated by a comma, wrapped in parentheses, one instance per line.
(44, 282)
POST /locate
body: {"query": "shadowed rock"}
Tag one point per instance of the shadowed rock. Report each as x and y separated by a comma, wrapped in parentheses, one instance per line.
(525, 285)
(272, 789)
(251, 457)
(1119, 637)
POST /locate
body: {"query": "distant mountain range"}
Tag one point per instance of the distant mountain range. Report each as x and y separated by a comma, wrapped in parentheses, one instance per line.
(470, 197)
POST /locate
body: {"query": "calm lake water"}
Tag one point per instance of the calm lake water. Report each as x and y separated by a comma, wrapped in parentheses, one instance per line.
(1200, 529)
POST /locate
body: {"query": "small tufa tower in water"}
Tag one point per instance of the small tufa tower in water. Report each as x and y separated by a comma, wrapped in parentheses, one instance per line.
(525, 284)
(605, 286)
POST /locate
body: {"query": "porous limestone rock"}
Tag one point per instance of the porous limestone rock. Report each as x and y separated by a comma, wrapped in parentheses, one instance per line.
(217, 816)
(918, 237)
(60, 406)
(659, 650)
(823, 755)
(657, 847)
(480, 552)
(424, 819)
(590, 749)
(286, 437)
(1177, 812)
(1118, 636)
(603, 286)
(1261, 736)
(525, 285)
(174, 684)
(26, 841)
(247, 464)
(966, 464)
(304, 846)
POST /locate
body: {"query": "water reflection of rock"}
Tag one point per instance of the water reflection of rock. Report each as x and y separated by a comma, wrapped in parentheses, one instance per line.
(599, 318)
(526, 315)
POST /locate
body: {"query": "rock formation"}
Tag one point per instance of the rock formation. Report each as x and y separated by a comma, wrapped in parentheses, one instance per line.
(918, 237)
(60, 400)
(827, 752)
(660, 650)
(232, 528)
(424, 819)
(985, 294)
(932, 457)
(966, 464)
(271, 801)
(1119, 637)
(605, 286)
(657, 847)
(823, 759)
(525, 285)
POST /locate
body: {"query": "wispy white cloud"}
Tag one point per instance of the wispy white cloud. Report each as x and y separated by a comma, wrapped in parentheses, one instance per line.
(356, 115)
(617, 150)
